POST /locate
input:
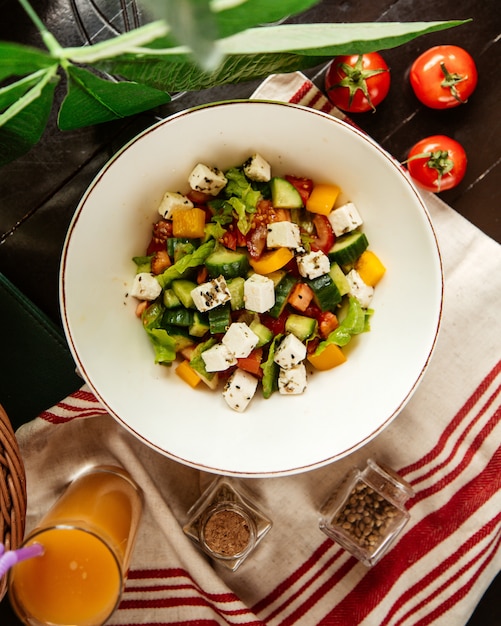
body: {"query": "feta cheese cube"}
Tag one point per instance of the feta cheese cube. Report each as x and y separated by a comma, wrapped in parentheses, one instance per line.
(239, 390)
(292, 381)
(240, 339)
(259, 293)
(359, 289)
(344, 219)
(211, 294)
(290, 352)
(283, 235)
(218, 358)
(145, 287)
(257, 168)
(207, 179)
(171, 201)
(313, 264)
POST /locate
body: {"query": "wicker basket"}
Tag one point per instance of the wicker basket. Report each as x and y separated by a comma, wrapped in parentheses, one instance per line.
(12, 491)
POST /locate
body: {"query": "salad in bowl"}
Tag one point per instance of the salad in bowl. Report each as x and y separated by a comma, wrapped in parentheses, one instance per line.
(297, 190)
(248, 277)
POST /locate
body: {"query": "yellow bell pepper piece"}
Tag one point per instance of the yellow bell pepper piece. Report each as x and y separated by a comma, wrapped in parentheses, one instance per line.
(188, 223)
(188, 374)
(326, 359)
(322, 199)
(272, 260)
(370, 268)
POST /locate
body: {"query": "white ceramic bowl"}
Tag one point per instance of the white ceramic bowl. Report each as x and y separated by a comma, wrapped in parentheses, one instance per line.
(342, 409)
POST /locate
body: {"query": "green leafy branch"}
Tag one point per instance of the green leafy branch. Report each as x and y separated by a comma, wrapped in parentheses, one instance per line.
(196, 44)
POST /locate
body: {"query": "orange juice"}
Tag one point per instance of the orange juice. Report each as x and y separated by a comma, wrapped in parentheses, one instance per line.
(87, 538)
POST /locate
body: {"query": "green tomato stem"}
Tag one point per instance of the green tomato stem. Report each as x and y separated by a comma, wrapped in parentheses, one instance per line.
(450, 81)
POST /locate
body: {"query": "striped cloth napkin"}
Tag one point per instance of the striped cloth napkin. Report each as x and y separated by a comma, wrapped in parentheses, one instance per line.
(445, 443)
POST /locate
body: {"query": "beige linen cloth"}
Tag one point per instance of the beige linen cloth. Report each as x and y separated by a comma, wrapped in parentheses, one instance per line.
(446, 443)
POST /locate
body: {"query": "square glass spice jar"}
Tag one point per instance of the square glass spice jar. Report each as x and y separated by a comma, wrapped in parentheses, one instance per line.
(226, 523)
(366, 512)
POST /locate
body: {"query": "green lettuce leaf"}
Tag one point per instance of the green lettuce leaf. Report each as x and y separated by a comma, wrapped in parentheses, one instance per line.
(354, 323)
(163, 344)
(188, 261)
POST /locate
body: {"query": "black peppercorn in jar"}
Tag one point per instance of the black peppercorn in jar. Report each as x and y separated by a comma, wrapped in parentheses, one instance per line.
(366, 513)
(225, 523)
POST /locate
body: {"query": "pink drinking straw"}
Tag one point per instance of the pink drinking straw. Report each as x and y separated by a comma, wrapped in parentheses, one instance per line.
(11, 557)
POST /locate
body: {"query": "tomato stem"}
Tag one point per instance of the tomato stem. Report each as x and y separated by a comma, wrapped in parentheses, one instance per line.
(450, 81)
(438, 160)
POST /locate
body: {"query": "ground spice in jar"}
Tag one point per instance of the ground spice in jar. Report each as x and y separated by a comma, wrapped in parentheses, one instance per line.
(227, 533)
(226, 523)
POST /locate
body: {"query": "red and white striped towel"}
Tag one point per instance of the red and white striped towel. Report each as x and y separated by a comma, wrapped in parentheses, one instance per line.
(446, 442)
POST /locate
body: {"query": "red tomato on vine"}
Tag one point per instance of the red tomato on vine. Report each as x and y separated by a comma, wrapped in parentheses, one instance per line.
(437, 163)
(443, 77)
(357, 83)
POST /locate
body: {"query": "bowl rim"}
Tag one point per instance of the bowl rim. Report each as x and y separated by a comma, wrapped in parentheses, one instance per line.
(177, 457)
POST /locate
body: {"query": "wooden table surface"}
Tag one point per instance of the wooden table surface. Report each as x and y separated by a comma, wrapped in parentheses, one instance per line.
(40, 191)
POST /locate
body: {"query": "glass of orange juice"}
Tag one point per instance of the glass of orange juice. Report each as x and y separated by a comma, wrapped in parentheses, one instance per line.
(87, 539)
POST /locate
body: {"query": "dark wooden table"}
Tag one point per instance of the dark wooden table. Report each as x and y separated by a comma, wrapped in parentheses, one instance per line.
(40, 191)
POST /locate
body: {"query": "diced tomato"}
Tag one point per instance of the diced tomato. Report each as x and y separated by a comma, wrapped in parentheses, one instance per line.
(160, 262)
(292, 268)
(280, 215)
(256, 240)
(202, 274)
(155, 245)
(327, 322)
(313, 311)
(301, 296)
(162, 230)
(229, 239)
(276, 325)
(324, 239)
(312, 345)
(303, 185)
(252, 363)
(198, 197)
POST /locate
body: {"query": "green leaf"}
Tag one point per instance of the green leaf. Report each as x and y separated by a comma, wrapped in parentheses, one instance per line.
(330, 39)
(250, 13)
(18, 60)
(192, 24)
(259, 52)
(14, 92)
(92, 100)
(21, 131)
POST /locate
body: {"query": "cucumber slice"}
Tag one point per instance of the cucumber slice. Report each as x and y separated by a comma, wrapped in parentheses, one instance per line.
(236, 289)
(348, 248)
(177, 317)
(339, 279)
(282, 293)
(229, 263)
(200, 325)
(325, 292)
(263, 332)
(183, 288)
(170, 300)
(219, 319)
(301, 326)
(180, 336)
(177, 246)
(284, 195)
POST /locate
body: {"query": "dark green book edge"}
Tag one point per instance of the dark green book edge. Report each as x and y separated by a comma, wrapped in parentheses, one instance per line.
(36, 366)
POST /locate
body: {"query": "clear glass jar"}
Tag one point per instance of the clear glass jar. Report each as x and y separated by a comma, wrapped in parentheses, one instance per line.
(226, 523)
(366, 512)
